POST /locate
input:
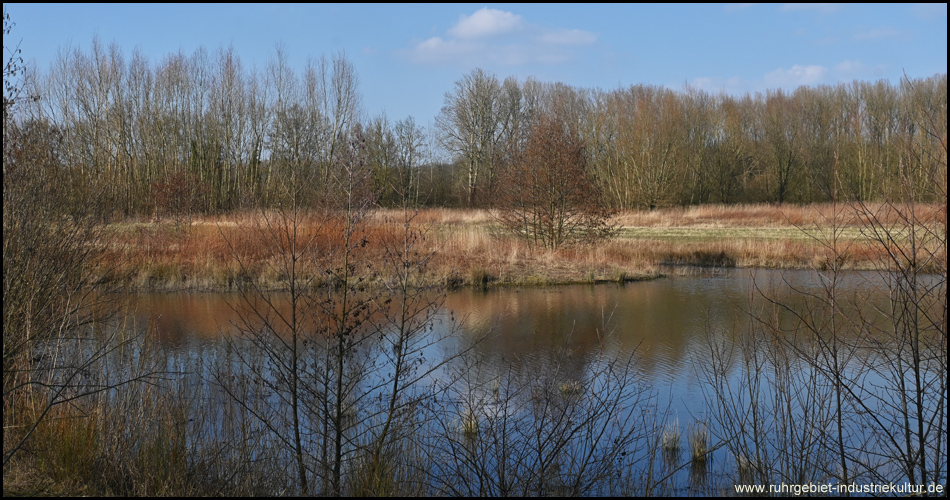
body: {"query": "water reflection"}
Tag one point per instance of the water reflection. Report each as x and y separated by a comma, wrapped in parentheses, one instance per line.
(667, 320)
(663, 319)
(180, 320)
(671, 323)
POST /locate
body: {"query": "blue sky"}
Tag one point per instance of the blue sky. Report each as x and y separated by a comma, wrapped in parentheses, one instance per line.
(408, 56)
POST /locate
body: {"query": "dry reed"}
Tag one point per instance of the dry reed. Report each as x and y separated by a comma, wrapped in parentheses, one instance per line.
(472, 250)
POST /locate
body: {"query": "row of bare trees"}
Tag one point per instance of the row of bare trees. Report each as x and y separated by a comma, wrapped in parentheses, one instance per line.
(237, 131)
(650, 146)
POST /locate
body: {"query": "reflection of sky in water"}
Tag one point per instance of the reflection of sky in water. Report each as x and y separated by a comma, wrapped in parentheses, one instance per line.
(669, 322)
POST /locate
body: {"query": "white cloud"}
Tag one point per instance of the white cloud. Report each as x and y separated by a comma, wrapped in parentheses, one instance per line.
(491, 36)
(437, 50)
(485, 23)
(797, 75)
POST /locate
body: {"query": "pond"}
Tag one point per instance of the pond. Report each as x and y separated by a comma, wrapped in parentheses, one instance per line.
(680, 329)
(668, 321)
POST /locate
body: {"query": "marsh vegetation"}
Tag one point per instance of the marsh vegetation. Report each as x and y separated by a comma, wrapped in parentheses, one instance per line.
(344, 373)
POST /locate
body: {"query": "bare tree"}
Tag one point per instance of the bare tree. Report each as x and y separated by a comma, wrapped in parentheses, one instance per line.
(13, 68)
(559, 427)
(603, 152)
(334, 373)
(334, 86)
(698, 115)
(547, 196)
(307, 331)
(411, 152)
(876, 360)
(781, 154)
(732, 154)
(470, 124)
(650, 137)
(772, 419)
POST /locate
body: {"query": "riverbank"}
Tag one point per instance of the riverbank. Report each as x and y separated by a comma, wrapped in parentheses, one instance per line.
(467, 248)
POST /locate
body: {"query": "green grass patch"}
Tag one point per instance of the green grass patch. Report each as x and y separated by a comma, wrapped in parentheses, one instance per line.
(694, 234)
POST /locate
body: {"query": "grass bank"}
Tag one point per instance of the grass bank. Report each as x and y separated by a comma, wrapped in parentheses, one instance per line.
(469, 248)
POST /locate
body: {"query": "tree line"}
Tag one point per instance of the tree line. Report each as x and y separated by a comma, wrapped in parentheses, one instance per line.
(207, 133)
(648, 146)
(329, 392)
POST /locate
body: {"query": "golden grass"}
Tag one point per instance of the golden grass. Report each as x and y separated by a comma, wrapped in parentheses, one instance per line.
(767, 215)
(218, 252)
(105, 446)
